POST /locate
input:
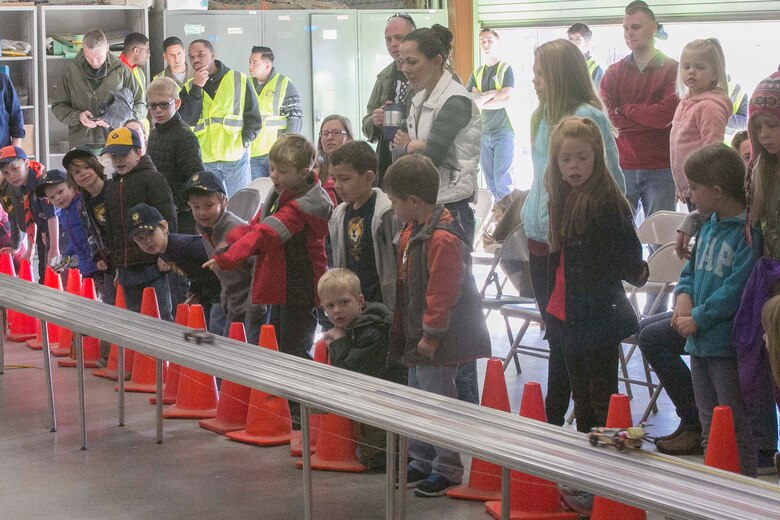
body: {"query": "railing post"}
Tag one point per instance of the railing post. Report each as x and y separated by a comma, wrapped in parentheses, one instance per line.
(78, 338)
(306, 459)
(506, 486)
(47, 369)
(403, 456)
(120, 379)
(2, 339)
(159, 375)
(392, 473)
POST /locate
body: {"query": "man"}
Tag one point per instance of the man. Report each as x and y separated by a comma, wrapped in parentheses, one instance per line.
(11, 119)
(177, 68)
(280, 107)
(391, 87)
(135, 54)
(492, 85)
(98, 94)
(580, 34)
(221, 107)
(640, 98)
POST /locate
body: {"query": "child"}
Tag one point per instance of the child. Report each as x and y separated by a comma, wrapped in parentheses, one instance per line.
(206, 196)
(11, 203)
(55, 187)
(287, 237)
(770, 320)
(6, 236)
(593, 248)
(710, 287)
(363, 227)
(186, 253)
(439, 323)
(22, 172)
(139, 128)
(173, 147)
(135, 181)
(704, 108)
(741, 144)
(359, 342)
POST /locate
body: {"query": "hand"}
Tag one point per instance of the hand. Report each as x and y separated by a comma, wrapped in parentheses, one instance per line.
(333, 334)
(683, 307)
(10, 250)
(685, 326)
(28, 254)
(102, 265)
(418, 145)
(681, 246)
(85, 119)
(210, 264)
(426, 347)
(116, 278)
(54, 252)
(100, 122)
(201, 77)
(401, 138)
(378, 115)
(162, 265)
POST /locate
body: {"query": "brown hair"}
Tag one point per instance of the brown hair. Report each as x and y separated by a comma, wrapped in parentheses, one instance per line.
(292, 150)
(90, 161)
(338, 279)
(413, 174)
(770, 319)
(357, 154)
(718, 164)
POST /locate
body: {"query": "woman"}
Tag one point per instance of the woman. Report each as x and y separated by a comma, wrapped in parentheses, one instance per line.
(564, 88)
(443, 122)
(335, 131)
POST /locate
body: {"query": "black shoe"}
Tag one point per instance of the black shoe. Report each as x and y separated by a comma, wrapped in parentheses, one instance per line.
(414, 477)
(680, 429)
(766, 462)
(434, 486)
(687, 443)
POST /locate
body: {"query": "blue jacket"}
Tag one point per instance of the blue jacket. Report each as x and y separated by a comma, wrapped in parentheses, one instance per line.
(73, 230)
(534, 214)
(715, 278)
(11, 120)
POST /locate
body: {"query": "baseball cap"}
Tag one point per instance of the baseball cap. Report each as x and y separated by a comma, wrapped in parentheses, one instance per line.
(49, 178)
(11, 153)
(82, 152)
(204, 182)
(121, 142)
(142, 217)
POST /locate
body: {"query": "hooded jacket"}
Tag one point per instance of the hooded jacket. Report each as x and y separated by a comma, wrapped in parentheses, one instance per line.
(699, 120)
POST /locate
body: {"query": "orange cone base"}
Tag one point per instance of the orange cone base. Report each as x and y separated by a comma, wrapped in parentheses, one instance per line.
(259, 440)
(494, 509)
(175, 412)
(346, 466)
(108, 373)
(465, 492)
(60, 351)
(166, 400)
(20, 337)
(150, 388)
(604, 508)
(71, 363)
(221, 427)
(37, 344)
(296, 445)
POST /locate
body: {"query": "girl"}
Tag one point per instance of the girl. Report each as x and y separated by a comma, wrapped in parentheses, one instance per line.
(564, 88)
(741, 144)
(770, 320)
(593, 248)
(704, 109)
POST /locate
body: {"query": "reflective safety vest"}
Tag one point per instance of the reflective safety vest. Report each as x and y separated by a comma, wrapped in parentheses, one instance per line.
(736, 94)
(221, 119)
(270, 99)
(498, 79)
(140, 77)
(592, 67)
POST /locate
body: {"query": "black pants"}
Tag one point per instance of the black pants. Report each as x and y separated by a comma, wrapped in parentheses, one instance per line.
(558, 387)
(593, 373)
(42, 249)
(461, 211)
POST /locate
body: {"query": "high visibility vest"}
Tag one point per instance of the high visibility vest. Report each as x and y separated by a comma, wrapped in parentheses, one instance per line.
(140, 77)
(736, 94)
(498, 79)
(592, 66)
(270, 99)
(222, 119)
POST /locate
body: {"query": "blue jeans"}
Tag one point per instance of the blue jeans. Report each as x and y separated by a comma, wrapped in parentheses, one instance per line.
(235, 174)
(495, 160)
(133, 294)
(653, 188)
(260, 166)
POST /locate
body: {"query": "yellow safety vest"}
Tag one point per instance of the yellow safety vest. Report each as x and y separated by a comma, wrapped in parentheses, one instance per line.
(222, 119)
(736, 94)
(140, 77)
(498, 79)
(592, 66)
(270, 99)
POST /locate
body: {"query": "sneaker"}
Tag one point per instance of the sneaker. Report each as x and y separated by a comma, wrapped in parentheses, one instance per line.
(414, 477)
(766, 463)
(581, 502)
(687, 443)
(435, 485)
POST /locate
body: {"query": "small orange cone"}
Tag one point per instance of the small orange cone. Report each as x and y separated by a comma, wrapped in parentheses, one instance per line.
(722, 445)
(485, 477)
(296, 443)
(268, 418)
(197, 396)
(53, 281)
(233, 398)
(72, 286)
(7, 264)
(145, 367)
(532, 497)
(20, 326)
(112, 370)
(90, 347)
(171, 386)
(618, 416)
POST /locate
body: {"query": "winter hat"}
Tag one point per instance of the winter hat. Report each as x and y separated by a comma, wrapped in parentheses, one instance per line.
(766, 98)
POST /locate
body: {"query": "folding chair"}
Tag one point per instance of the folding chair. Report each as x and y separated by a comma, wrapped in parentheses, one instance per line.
(660, 227)
(245, 203)
(262, 185)
(529, 313)
(515, 247)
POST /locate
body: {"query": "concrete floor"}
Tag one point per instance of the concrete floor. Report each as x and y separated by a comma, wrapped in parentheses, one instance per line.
(194, 473)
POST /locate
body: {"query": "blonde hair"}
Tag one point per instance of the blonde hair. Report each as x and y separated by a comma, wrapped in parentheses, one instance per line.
(770, 319)
(711, 51)
(338, 279)
(761, 174)
(292, 150)
(163, 87)
(573, 211)
(567, 84)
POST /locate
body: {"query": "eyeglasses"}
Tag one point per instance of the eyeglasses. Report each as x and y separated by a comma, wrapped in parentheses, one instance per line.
(162, 106)
(405, 16)
(334, 133)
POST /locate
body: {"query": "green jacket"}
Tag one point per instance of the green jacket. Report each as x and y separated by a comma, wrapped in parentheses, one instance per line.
(77, 96)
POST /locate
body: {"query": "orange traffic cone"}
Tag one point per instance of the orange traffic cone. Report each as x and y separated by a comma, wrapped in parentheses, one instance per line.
(618, 416)
(532, 497)
(296, 442)
(53, 281)
(268, 418)
(72, 286)
(112, 369)
(233, 398)
(144, 367)
(7, 264)
(485, 477)
(336, 446)
(722, 444)
(171, 385)
(22, 327)
(90, 346)
(196, 397)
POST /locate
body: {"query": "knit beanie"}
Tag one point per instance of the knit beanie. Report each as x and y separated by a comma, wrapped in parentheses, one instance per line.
(766, 98)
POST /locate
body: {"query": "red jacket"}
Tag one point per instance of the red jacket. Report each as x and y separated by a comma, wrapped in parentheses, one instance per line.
(641, 105)
(287, 237)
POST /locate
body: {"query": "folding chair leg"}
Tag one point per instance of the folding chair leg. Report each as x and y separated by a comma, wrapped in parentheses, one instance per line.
(650, 385)
(570, 417)
(624, 369)
(651, 406)
(515, 344)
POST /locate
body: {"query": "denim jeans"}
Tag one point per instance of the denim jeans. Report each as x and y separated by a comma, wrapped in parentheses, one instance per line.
(260, 166)
(235, 174)
(654, 189)
(496, 154)
(134, 293)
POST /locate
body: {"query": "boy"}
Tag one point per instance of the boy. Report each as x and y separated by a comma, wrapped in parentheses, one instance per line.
(149, 229)
(710, 289)
(363, 227)
(359, 342)
(439, 322)
(287, 237)
(205, 194)
(173, 147)
(135, 181)
(11, 202)
(21, 172)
